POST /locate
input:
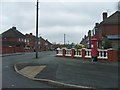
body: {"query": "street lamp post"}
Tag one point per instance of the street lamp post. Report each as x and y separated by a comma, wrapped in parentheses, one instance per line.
(37, 29)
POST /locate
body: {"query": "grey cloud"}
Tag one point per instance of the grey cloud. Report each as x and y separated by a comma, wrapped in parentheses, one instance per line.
(65, 19)
(58, 37)
(20, 14)
(73, 33)
(73, 19)
(72, 13)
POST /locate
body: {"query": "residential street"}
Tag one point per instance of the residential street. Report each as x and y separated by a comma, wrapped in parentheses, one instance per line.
(60, 44)
(102, 74)
(11, 79)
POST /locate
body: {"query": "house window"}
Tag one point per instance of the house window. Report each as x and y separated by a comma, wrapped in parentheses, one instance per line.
(19, 39)
(22, 40)
(25, 40)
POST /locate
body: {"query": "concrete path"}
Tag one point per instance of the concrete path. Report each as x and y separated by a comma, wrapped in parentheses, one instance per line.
(32, 71)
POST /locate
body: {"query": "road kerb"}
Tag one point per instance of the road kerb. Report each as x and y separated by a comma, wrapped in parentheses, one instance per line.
(59, 84)
(3, 55)
(56, 83)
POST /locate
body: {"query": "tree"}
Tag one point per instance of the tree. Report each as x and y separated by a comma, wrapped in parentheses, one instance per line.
(105, 43)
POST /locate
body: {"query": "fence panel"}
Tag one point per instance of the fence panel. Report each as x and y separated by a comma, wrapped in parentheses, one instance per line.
(88, 53)
(60, 52)
(102, 54)
(78, 53)
(68, 52)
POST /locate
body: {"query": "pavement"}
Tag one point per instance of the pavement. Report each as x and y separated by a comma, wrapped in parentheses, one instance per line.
(71, 73)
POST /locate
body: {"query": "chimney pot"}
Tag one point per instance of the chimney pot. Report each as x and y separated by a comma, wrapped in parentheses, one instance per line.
(30, 33)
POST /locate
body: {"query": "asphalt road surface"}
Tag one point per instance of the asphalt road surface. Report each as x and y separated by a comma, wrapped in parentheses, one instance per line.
(11, 79)
(71, 71)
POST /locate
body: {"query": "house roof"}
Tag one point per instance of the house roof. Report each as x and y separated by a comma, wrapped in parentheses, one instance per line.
(12, 33)
(35, 38)
(113, 19)
(41, 38)
(31, 36)
(48, 42)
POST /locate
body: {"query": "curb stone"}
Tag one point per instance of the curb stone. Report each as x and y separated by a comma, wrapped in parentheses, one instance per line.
(11, 54)
(56, 83)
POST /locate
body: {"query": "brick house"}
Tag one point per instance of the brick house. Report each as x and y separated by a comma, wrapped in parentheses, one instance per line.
(48, 45)
(13, 41)
(31, 42)
(109, 29)
(43, 45)
(106, 32)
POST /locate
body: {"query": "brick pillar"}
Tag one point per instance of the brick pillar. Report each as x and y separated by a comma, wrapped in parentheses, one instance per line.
(56, 51)
(113, 55)
(110, 55)
(118, 55)
(83, 53)
(72, 53)
(64, 52)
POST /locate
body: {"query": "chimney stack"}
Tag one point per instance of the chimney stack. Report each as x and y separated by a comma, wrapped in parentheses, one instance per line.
(96, 24)
(14, 28)
(104, 15)
(89, 33)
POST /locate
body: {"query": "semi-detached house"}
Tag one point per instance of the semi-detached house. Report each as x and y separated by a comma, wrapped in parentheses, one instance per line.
(106, 32)
(14, 41)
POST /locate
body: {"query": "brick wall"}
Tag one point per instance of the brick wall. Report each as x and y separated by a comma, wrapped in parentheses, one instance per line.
(10, 39)
(7, 50)
(112, 55)
(110, 29)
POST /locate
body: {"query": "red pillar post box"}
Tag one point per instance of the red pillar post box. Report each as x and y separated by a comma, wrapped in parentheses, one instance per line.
(94, 49)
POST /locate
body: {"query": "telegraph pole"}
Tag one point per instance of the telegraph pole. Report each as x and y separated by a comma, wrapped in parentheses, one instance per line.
(37, 29)
(64, 39)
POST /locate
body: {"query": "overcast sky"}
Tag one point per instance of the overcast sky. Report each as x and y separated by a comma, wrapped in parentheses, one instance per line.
(55, 18)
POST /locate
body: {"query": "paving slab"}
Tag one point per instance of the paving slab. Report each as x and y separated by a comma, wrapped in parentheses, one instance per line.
(32, 71)
(49, 72)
